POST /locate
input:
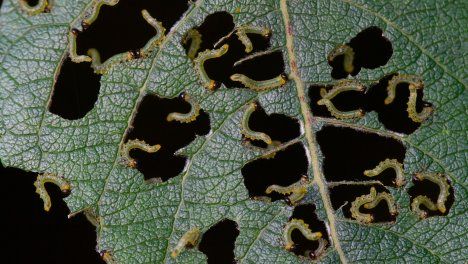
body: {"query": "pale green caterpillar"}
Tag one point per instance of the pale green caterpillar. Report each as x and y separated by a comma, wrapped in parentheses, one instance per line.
(444, 191)
(259, 86)
(190, 238)
(341, 86)
(200, 67)
(249, 133)
(136, 144)
(160, 31)
(186, 117)
(347, 52)
(34, 10)
(195, 37)
(296, 191)
(242, 32)
(92, 16)
(317, 253)
(42, 179)
(370, 201)
(387, 164)
(302, 227)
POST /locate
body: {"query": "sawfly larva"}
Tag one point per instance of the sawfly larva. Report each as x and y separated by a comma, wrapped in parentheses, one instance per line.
(341, 86)
(258, 86)
(411, 109)
(92, 16)
(249, 133)
(295, 191)
(136, 144)
(40, 7)
(348, 57)
(42, 179)
(389, 164)
(195, 39)
(160, 30)
(302, 227)
(242, 32)
(200, 67)
(186, 117)
(444, 191)
(422, 200)
(370, 201)
(317, 253)
(189, 239)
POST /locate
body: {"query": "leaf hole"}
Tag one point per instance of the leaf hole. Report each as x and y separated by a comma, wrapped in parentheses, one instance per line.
(218, 242)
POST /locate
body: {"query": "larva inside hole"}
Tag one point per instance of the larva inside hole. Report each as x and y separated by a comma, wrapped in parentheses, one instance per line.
(261, 85)
(370, 201)
(189, 239)
(40, 182)
(242, 32)
(186, 117)
(295, 192)
(298, 224)
(40, 7)
(199, 62)
(348, 57)
(388, 164)
(431, 187)
(340, 87)
(136, 144)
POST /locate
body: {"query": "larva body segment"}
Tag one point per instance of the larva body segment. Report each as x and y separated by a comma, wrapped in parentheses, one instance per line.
(422, 200)
(160, 31)
(370, 201)
(190, 238)
(195, 39)
(341, 86)
(259, 86)
(136, 144)
(444, 188)
(92, 16)
(348, 54)
(296, 191)
(411, 107)
(386, 197)
(42, 179)
(186, 117)
(72, 48)
(249, 133)
(242, 32)
(302, 227)
(317, 253)
(33, 10)
(387, 164)
(200, 67)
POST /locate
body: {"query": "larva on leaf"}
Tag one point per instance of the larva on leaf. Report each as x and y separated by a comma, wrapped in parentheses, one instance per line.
(370, 201)
(389, 164)
(40, 7)
(444, 191)
(107, 256)
(136, 144)
(160, 31)
(296, 191)
(195, 39)
(199, 64)
(92, 16)
(341, 86)
(317, 253)
(348, 54)
(186, 117)
(249, 133)
(242, 32)
(259, 86)
(189, 239)
(42, 179)
(302, 227)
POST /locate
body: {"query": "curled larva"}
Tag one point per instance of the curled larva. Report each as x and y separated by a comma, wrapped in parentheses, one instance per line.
(249, 133)
(186, 117)
(94, 13)
(348, 54)
(317, 253)
(195, 39)
(295, 191)
(370, 201)
(444, 188)
(263, 85)
(190, 238)
(72, 48)
(302, 227)
(411, 107)
(388, 164)
(242, 32)
(422, 200)
(200, 67)
(41, 190)
(160, 30)
(341, 86)
(36, 9)
(136, 144)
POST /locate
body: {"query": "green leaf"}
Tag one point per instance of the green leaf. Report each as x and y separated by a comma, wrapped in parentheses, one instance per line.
(141, 223)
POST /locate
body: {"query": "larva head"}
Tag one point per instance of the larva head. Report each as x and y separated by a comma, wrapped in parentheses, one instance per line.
(75, 31)
(213, 85)
(399, 182)
(84, 25)
(135, 54)
(267, 33)
(183, 95)
(284, 78)
(442, 208)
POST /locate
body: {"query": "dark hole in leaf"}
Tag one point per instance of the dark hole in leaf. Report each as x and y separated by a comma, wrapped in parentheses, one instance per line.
(344, 195)
(303, 246)
(217, 243)
(31, 2)
(278, 126)
(285, 168)
(348, 153)
(150, 125)
(32, 235)
(263, 67)
(122, 28)
(431, 190)
(371, 50)
(76, 90)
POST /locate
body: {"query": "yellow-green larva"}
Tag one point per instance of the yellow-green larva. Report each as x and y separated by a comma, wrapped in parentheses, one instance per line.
(411, 109)
(136, 144)
(72, 48)
(317, 253)
(92, 16)
(295, 191)
(302, 227)
(389, 164)
(42, 179)
(160, 31)
(249, 133)
(190, 238)
(242, 32)
(263, 85)
(370, 201)
(199, 64)
(348, 54)
(444, 191)
(33, 10)
(186, 117)
(339, 87)
(195, 39)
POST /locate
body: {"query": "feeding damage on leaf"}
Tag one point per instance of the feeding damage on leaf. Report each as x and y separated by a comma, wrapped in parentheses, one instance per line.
(34, 7)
